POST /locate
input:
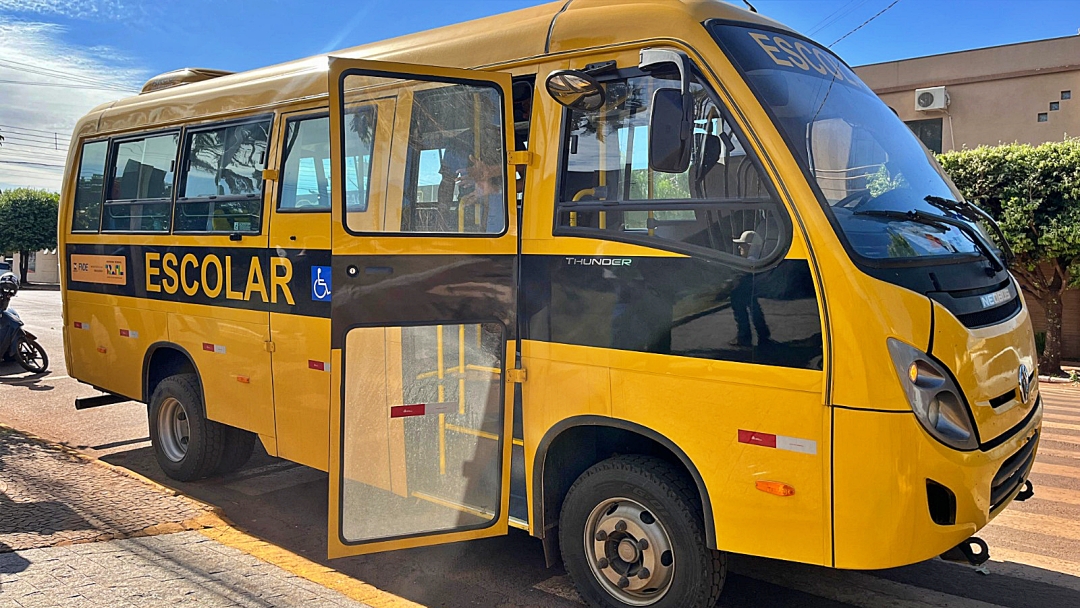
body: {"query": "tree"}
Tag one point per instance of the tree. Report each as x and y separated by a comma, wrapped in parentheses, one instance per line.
(27, 223)
(1034, 194)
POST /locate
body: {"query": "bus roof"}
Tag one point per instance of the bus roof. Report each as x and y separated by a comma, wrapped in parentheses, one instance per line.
(566, 25)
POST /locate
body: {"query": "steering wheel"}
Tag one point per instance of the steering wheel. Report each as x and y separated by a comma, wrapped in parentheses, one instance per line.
(860, 198)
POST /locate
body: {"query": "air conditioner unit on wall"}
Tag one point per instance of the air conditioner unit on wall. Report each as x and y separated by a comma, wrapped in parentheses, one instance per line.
(933, 98)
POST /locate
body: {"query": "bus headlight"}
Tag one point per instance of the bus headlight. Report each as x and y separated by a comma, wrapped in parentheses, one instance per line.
(933, 396)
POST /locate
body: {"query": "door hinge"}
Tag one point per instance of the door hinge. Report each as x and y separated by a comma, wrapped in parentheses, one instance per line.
(520, 157)
(270, 346)
(515, 376)
(270, 175)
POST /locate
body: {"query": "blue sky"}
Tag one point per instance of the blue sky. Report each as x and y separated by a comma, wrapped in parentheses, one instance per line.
(118, 44)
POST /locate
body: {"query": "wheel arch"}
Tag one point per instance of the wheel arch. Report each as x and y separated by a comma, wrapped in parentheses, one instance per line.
(163, 359)
(559, 461)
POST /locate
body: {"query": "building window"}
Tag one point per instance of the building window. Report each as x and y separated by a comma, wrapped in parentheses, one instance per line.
(1066, 95)
(1043, 117)
(928, 131)
(1055, 106)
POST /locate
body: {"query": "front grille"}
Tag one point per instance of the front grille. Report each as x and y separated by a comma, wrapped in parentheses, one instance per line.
(1003, 398)
(1012, 473)
(990, 316)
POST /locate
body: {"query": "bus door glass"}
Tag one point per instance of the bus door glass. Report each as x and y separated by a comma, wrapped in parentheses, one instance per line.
(423, 306)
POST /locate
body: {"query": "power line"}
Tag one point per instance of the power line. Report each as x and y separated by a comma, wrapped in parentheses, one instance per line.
(60, 85)
(836, 15)
(28, 162)
(864, 23)
(53, 73)
(43, 148)
(29, 129)
(54, 142)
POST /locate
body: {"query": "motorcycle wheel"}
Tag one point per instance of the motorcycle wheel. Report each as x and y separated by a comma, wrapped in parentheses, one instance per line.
(32, 357)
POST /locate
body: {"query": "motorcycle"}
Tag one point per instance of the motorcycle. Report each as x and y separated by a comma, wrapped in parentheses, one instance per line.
(15, 342)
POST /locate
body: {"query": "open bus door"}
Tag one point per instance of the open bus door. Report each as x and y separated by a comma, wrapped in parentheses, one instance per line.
(424, 258)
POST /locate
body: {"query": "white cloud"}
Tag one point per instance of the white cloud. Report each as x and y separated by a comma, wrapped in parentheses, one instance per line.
(90, 10)
(32, 114)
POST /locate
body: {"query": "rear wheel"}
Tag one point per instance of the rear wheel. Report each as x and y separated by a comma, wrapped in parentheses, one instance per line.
(186, 444)
(631, 534)
(32, 357)
(239, 444)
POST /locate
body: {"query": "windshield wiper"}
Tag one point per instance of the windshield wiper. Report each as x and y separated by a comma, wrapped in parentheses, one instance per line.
(938, 221)
(974, 213)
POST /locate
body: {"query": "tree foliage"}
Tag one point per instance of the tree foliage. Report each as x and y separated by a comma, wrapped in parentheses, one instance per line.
(27, 222)
(1034, 194)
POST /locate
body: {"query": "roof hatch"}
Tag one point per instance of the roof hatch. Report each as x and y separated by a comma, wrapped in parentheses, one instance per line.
(178, 77)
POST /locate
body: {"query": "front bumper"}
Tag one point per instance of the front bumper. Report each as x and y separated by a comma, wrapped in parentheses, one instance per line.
(882, 464)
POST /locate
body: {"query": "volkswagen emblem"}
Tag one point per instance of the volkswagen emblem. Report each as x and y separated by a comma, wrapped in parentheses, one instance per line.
(1025, 383)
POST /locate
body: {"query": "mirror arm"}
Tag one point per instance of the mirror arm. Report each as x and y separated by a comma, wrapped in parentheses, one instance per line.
(652, 58)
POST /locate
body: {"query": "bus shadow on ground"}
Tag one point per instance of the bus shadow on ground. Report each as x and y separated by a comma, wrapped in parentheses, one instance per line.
(286, 504)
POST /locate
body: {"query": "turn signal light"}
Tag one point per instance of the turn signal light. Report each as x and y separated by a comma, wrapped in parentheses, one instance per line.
(775, 487)
(243, 379)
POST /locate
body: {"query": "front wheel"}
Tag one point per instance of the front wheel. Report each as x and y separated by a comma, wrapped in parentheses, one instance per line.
(632, 534)
(187, 445)
(32, 357)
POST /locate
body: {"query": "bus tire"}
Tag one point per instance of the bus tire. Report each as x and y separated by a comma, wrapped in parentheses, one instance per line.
(606, 515)
(187, 445)
(239, 444)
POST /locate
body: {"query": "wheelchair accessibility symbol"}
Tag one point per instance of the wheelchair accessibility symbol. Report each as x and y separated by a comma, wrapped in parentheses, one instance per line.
(320, 283)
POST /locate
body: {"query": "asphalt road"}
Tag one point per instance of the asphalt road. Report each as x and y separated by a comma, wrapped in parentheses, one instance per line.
(1034, 545)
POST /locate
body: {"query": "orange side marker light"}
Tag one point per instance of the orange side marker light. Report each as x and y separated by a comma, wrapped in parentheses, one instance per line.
(243, 379)
(102, 349)
(775, 487)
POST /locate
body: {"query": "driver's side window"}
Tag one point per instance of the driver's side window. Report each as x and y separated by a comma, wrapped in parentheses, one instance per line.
(720, 207)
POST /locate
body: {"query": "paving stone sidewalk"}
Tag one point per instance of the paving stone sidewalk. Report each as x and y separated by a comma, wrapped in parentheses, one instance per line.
(75, 533)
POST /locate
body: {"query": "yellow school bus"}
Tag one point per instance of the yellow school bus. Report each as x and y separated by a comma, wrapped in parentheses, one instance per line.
(655, 281)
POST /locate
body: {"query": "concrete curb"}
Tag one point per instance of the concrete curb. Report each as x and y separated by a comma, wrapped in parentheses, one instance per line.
(215, 526)
(1055, 380)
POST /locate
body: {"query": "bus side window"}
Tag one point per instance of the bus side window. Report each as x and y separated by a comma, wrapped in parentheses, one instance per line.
(456, 162)
(305, 175)
(222, 186)
(720, 207)
(141, 184)
(90, 188)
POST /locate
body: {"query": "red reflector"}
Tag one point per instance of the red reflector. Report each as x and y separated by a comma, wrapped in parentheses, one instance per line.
(401, 411)
(319, 365)
(210, 347)
(125, 333)
(754, 438)
(775, 487)
(78, 324)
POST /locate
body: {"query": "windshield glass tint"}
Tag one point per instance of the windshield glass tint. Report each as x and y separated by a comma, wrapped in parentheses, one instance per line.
(866, 163)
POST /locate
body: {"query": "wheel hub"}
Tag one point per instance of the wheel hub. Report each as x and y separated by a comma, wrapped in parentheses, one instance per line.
(629, 551)
(173, 429)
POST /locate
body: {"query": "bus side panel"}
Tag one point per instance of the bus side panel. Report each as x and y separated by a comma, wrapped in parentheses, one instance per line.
(234, 364)
(105, 338)
(712, 422)
(302, 388)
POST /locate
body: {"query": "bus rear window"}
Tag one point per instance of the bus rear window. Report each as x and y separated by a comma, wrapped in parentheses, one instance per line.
(90, 188)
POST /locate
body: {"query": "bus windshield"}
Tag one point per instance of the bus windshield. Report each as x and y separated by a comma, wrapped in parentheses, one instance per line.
(881, 187)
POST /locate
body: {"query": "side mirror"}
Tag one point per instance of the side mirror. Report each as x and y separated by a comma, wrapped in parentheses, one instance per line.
(671, 123)
(576, 90)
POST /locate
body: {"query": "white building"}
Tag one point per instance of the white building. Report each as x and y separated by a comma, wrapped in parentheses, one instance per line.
(44, 266)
